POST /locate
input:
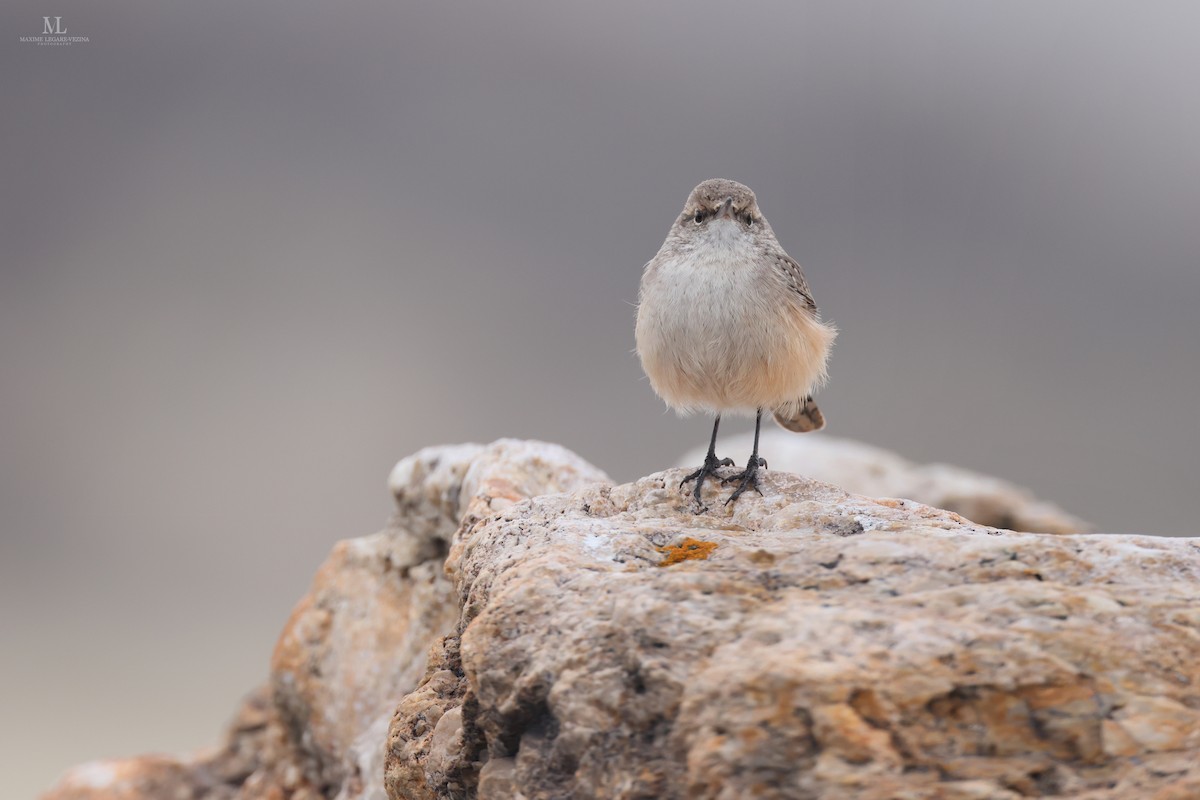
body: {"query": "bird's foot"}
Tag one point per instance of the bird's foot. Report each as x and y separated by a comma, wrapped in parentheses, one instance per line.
(746, 479)
(711, 465)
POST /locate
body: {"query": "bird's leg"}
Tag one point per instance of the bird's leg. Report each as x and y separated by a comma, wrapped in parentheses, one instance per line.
(711, 464)
(748, 478)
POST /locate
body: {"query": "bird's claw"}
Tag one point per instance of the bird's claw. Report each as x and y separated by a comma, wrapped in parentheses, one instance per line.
(746, 479)
(711, 465)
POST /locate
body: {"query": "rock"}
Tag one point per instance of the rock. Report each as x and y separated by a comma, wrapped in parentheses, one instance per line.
(257, 760)
(806, 644)
(130, 779)
(875, 472)
(523, 629)
(354, 645)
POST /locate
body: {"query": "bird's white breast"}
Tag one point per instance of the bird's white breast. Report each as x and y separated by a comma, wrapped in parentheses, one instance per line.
(718, 330)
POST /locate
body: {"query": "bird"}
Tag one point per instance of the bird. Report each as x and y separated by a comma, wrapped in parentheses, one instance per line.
(726, 324)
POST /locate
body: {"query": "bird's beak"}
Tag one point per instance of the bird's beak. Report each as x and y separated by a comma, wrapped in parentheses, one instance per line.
(726, 210)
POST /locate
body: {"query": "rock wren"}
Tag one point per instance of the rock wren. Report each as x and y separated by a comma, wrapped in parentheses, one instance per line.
(726, 323)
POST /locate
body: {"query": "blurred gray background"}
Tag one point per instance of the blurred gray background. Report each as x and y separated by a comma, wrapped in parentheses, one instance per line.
(254, 253)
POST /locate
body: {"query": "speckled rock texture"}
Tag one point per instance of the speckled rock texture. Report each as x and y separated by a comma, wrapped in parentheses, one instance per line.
(353, 647)
(523, 629)
(875, 472)
(806, 644)
(256, 760)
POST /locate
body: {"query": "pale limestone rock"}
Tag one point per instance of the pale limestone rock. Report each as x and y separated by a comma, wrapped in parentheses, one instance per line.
(806, 644)
(875, 472)
(128, 779)
(607, 642)
(354, 645)
(256, 761)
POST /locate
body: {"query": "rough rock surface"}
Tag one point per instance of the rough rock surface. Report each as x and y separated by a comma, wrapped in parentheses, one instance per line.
(805, 644)
(257, 760)
(875, 472)
(607, 642)
(354, 645)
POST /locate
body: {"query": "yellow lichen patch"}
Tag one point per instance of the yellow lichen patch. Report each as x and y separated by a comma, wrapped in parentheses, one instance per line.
(688, 550)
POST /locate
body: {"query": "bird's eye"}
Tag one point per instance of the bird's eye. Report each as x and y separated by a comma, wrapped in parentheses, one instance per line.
(749, 219)
(699, 217)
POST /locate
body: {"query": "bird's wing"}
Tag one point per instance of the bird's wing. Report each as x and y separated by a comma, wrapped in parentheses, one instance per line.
(795, 279)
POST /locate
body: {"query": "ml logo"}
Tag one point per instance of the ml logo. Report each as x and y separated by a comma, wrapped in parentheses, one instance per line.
(54, 35)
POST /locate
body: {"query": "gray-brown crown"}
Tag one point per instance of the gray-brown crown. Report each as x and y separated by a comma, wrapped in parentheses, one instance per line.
(711, 195)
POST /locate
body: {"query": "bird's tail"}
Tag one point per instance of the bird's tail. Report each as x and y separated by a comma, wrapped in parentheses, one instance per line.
(800, 416)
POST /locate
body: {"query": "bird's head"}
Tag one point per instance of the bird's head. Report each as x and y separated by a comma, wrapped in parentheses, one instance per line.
(721, 202)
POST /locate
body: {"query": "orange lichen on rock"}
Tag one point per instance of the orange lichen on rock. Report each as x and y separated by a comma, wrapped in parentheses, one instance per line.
(688, 550)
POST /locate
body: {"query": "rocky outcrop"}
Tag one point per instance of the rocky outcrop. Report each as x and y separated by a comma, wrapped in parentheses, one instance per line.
(524, 629)
(875, 472)
(257, 760)
(806, 644)
(354, 645)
